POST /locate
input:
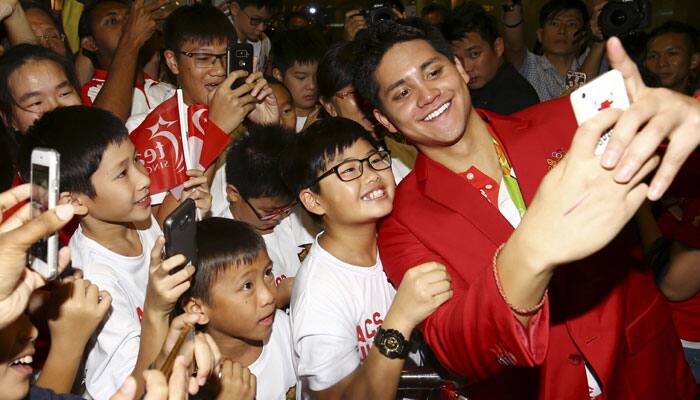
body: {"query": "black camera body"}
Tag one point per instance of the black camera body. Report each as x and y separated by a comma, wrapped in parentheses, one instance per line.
(624, 17)
(378, 12)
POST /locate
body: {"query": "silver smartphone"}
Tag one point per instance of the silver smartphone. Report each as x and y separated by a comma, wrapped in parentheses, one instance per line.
(43, 255)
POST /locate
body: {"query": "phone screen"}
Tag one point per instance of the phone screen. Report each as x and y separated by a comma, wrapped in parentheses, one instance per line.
(40, 204)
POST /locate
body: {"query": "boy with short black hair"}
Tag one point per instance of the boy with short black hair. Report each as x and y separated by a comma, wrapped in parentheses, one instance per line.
(234, 292)
(341, 299)
(295, 58)
(250, 18)
(256, 194)
(118, 243)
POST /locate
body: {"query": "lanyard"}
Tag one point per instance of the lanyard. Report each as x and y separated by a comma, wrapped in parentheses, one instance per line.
(509, 178)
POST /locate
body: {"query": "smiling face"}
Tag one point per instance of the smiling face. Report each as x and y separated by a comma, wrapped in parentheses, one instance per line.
(480, 60)
(670, 58)
(424, 96)
(121, 187)
(248, 290)
(557, 34)
(198, 81)
(37, 87)
(359, 201)
(16, 350)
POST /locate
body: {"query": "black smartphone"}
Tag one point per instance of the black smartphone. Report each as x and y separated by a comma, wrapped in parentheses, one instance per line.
(180, 230)
(239, 56)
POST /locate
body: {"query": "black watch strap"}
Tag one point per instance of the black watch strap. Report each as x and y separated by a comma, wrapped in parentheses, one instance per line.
(391, 343)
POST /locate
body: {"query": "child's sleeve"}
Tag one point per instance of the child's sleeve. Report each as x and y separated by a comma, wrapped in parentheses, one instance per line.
(324, 339)
(115, 347)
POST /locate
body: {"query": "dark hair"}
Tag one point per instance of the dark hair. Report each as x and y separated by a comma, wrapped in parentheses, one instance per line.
(550, 10)
(470, 17)
(200, 23)
(435, 8)
(373, 43)
(690, 32)
(271, 5)
(20, 55)
(85, 24)
(335, 70)
(302, 46)
(81, 135)
(295, 14)
(222, 243)
(252, 162)
(308, 153)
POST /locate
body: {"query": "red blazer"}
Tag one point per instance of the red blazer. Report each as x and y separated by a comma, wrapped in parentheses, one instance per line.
(603, 310)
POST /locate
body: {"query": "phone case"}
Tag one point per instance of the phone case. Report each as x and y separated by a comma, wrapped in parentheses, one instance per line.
(43, 255)
(180, 230)
(239, 57)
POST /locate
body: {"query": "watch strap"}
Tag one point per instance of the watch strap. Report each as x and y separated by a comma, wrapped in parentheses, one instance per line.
(391, 343)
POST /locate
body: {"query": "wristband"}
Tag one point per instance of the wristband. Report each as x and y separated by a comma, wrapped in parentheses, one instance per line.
(523, 312)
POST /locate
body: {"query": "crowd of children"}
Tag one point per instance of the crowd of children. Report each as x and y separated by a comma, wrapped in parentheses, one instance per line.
(363, 215)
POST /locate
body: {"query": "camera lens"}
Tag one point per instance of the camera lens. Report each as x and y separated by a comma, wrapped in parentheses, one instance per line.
(618, 17)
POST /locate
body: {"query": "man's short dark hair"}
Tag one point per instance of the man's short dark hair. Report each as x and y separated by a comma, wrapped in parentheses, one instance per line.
(690, 32)
(16, 57)
(301, 46)
(435, 8)
(270, 5)
(199, 23)
(335, 70)
(252, 162)
(467, 18)
(311, 150)
(373, 43)
(85, 24)
(81, 135)
(222, 243)
(553, 8)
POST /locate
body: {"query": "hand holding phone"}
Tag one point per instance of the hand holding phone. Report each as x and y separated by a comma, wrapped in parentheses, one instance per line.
(606, 91)
(239, 56)
(43, 255)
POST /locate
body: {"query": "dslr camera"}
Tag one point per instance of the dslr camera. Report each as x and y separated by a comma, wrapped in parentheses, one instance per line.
(378, 12)
(622, 18)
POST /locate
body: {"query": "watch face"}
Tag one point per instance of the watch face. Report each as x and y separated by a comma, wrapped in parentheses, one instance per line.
(392, 344)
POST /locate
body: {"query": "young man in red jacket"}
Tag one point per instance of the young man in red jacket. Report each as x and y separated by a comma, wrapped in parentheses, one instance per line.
(543, 307)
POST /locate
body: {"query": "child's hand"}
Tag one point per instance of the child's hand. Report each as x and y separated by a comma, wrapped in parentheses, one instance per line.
(157, 387)
(229, 107)
(80, 308)
(7, 7)
(197, 189)
(236, 382)
(163, 288)
(423, 289)
(266, 110)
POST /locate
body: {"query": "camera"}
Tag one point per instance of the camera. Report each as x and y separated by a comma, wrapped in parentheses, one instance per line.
(378, 12)
(624, 17)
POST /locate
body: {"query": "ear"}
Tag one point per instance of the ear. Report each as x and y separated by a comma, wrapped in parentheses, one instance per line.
(694, 60)
(310, 201)
(539, 35)
(277, 74)
(5, 120)
(88, 44)
(462, 72)
(498, 47)
(171, 61)
(232, 194)
(196, 306)
(234, 8)
(329, 107)
(384, 120)
(75, 200)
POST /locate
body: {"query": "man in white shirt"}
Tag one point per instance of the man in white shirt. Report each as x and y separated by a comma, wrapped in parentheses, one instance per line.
(250, 18)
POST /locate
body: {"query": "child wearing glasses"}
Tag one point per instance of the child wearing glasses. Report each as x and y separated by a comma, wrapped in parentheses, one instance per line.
(256, 194)
(350, 327)
(250, 18)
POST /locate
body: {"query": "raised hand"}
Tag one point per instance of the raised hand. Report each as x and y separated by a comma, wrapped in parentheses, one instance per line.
(164, 288)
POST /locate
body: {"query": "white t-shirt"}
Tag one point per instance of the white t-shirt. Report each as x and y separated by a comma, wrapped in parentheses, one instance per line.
(300, 123)
(286, 245)
(112, 353)
(336, 309)
(274, 369)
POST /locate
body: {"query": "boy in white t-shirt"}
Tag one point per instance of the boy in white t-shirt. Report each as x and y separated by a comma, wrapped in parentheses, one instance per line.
(349, 326)
(118, 243)
(256, 195)
(234, 293)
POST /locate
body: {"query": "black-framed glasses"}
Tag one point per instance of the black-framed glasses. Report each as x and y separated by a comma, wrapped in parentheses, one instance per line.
(205, 60)
(255, 21)
(280, 213)
(349, 170)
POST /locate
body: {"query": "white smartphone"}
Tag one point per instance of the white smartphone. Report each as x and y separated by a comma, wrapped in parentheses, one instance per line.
(606, 91)
(43, 255)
